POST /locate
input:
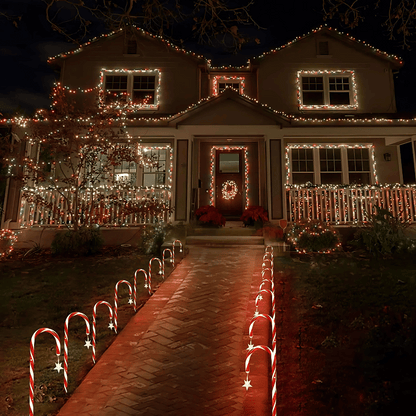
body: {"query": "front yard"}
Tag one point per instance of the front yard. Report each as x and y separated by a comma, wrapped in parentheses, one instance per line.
(348, 334)
(40, 290)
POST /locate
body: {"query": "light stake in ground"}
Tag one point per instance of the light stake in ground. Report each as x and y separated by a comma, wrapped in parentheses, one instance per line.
(116, 299)
(274, 372)
(173, 249)
(66, 339)
(160, 267)
(147, 281)
(163, 258)
(32, 363)
(94, 323)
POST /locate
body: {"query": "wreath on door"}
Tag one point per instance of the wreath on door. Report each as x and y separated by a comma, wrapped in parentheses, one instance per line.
(229, 190)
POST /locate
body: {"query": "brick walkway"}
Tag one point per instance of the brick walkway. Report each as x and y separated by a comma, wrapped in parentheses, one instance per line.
(183, 352)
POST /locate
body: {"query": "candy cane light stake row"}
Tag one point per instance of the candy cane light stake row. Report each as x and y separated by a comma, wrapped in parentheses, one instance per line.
(66, 339)
(58, 366)
(116, 300)
(169, 251)
(94, 323)
(147, 281)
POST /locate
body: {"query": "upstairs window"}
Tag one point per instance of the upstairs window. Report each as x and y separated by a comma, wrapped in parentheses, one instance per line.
(135, 88)
(327, 90)
(220, 83)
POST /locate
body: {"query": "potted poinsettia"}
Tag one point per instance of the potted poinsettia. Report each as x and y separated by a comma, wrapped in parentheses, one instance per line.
(208, 215)
(254, 215)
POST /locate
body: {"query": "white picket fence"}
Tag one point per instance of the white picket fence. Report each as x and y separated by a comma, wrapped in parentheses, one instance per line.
(104, 206)
(350, 205)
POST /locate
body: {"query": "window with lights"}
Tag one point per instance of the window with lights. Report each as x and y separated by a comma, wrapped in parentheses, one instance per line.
(325, 90)
(220, 83)
(136, 88)
(330, 164)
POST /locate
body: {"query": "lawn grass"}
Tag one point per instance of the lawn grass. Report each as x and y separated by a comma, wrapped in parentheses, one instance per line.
(359, 314)
(40, 291)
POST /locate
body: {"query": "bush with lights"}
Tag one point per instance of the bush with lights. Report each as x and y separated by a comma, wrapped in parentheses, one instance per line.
(313, 236)
(7, 240)
(208, 215)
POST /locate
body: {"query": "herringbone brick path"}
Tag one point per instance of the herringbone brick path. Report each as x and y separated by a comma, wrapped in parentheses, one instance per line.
(183, 352)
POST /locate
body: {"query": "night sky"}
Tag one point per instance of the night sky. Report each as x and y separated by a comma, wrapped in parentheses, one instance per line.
(26, 78)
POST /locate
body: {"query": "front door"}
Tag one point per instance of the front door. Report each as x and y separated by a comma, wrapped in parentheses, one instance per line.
(229, 188)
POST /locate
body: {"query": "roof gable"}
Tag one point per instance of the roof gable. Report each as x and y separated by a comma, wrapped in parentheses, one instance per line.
(229, 108)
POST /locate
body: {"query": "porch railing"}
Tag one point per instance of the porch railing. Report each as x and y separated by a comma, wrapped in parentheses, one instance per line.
(114, 207)
(350, 204)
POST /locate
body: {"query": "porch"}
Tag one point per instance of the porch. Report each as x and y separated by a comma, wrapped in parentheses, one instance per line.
(130, 206)
(349, 204)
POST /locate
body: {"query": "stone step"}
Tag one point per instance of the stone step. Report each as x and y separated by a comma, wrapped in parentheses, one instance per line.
(238, 231)
(224, 240)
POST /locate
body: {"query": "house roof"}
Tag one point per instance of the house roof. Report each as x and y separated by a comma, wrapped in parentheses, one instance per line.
(103, 37)
(333, 32)
(342, 37)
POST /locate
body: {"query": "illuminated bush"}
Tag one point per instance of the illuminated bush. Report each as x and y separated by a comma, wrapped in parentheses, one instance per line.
(313, 237)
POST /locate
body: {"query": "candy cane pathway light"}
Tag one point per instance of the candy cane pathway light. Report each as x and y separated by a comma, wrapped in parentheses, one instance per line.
(269, 249)
(160, 267)
(87, 342)
(58, 365)
(247, 382)
(163, 258)
(116, 299)
(260, 297)
(251, 327)
(173, 249)
(94, 323)
(147, 283)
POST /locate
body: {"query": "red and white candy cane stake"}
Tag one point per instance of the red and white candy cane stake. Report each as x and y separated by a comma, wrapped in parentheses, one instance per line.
(160, 267)
(116, 299)
(264, 282)
(267, 269)
(260, 297)
(94, 323)
(66, 339)
(173, 249)
(163, 258)
(267, 263)
(147, 282)
(269, 249)
(247, 383)
(58, 366)
(251, 327)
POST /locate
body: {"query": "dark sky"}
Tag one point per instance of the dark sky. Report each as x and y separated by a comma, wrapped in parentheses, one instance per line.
(26, 79)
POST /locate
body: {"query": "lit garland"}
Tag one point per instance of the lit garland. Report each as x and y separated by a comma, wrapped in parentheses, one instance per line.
(139, 106)
(222, 78)
(328, 106)
(212, 171)
(8, 238)
(370, 147)
(229, 190)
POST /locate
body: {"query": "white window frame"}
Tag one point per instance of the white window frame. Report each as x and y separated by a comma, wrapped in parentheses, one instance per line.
(130, 78)
(326, 74)
(344, 161)
(217, 79)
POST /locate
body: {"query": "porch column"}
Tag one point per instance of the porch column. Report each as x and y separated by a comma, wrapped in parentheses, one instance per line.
(181, 183)
(275, 163)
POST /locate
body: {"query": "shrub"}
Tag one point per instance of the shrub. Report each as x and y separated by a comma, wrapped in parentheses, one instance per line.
(383, 234)
(254, 215)
(313, 236)
(82, 242)
(152, 238)
(209, 215)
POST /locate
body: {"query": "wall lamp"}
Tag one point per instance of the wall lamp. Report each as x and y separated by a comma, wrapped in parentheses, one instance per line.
(387, 157)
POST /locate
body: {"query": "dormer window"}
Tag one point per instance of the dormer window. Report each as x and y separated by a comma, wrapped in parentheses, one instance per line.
(220, 83)
(327, 90)
(134, 88)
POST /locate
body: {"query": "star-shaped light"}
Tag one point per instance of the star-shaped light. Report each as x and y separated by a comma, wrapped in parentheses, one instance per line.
(250, 346)
(256, 314)
(130, 301)
(247, 384)
(58, 367)
(88, 344)
(259, 297)
(160, 272)
(111, 325)
(145, 285)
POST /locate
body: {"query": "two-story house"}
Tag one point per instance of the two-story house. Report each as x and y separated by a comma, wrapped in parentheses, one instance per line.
(308, 129)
